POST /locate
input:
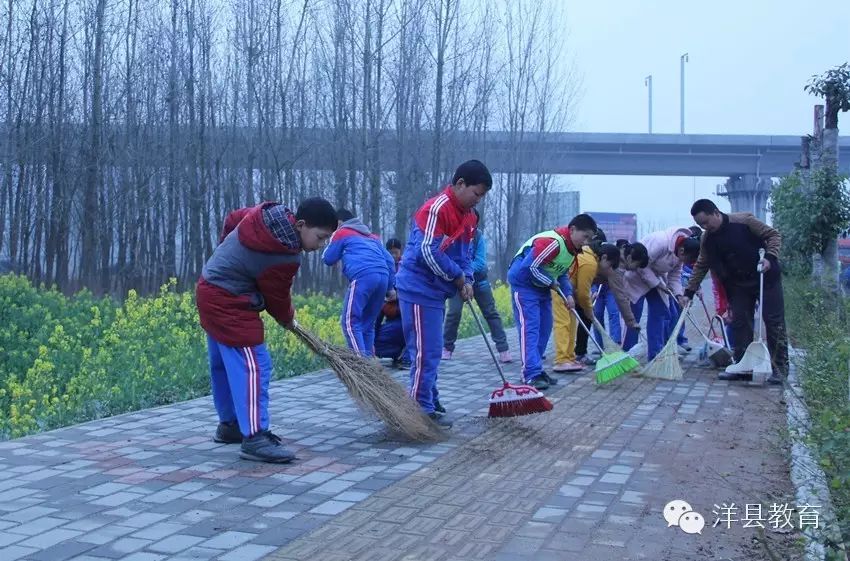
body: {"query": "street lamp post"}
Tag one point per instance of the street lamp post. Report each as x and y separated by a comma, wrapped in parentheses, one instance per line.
(682, 60)
(648, 83)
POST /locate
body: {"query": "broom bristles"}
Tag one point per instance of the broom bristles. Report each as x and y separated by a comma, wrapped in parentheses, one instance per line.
(514, 401)
(666, 364)
(373, 389)
(608, 344)
(614, 365)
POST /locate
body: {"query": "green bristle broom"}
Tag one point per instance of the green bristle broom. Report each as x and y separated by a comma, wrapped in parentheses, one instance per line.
(612, 364)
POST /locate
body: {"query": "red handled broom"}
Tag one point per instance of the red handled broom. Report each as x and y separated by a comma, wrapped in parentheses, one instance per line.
(511, 400)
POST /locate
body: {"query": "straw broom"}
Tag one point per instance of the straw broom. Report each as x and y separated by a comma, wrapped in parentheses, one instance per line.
(608, 344)
(373, 389)
(666, 364)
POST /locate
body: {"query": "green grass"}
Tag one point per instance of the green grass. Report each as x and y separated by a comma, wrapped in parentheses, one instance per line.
(819, 324)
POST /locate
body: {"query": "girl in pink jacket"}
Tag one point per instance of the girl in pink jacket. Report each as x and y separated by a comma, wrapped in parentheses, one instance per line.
(668, 250)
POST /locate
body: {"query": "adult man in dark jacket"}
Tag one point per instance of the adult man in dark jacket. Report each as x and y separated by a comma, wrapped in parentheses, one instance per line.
(730, 249)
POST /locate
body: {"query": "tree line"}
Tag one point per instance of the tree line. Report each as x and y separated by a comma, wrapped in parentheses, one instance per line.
(113, 174)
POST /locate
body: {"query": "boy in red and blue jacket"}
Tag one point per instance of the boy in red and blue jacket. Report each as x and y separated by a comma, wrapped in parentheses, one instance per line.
(252, 270)
(435, 266)
(370, 270)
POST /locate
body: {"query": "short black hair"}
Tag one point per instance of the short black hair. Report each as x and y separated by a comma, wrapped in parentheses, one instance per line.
(583, 222)
(638, 253)
(622, 242)
(344, 214)
(610, 251)
(393, 243)
(696, 232)
(600, 236)
(473, 172)
(317, 212)
(691, 247)
(704, 205)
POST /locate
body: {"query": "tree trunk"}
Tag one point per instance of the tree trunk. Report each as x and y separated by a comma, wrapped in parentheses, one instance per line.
(829, 257)
(88, 249)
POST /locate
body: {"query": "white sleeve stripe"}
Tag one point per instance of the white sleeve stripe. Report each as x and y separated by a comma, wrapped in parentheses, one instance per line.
(428, 237)
(535, 265)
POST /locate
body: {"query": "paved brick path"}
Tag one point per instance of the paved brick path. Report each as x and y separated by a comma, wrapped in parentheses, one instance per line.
(586, 481)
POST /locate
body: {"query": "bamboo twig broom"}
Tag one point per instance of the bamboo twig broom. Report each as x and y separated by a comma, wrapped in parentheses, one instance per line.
(373, 388)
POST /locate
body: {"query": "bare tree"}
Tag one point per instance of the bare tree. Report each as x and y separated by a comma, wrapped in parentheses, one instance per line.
(133, 126)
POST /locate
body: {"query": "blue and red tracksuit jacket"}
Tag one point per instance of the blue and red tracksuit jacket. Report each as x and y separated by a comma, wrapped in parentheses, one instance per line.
(438, 251)
(360, 250)
(526, 270)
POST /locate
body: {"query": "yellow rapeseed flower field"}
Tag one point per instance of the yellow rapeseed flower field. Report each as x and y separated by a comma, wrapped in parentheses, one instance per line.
(65, 360)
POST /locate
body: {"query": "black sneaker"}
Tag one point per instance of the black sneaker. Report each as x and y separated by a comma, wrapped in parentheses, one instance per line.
(552, 381)
(440, 420)
(539, 383)
(228, 433)
(438, 408)
(775, 380)
(732, 376)
(265, 447)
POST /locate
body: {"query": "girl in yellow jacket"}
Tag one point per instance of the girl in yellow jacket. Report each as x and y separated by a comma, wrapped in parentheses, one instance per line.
(601, 259)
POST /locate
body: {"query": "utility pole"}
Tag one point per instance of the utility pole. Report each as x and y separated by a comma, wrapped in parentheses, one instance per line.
(648, 83)
(682, 60)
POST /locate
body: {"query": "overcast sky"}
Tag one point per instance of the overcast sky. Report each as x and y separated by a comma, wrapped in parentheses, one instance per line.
(749, 61)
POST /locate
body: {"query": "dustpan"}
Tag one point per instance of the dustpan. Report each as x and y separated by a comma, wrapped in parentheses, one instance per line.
(725, 359)
(718, 354)
(756, 358)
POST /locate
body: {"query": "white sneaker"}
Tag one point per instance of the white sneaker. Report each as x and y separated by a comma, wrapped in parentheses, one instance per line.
(683, 350)
(447, 355)
(739, 368)
(505, 357)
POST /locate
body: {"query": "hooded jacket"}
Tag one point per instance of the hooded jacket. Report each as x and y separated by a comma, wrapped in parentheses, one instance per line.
(664, 270)
(361, 251)
(251, 270)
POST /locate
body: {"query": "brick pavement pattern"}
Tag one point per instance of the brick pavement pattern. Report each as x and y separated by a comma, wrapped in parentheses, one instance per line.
(586, 481)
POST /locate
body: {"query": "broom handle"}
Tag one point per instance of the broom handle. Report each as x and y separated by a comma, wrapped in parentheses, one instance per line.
(708, 317)
(722, 330)
(578, 317)
(761, 293)
(687, 312)
(489, 348)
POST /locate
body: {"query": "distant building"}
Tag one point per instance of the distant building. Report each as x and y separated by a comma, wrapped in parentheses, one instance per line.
(556, 210)
(617, 225)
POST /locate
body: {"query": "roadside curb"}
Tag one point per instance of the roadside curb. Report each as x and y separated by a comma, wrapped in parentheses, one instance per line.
(806, 474)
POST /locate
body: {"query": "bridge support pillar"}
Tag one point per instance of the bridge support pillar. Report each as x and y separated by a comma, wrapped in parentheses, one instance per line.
(748, 193)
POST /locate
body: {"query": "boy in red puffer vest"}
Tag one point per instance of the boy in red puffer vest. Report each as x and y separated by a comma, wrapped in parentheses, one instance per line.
(252, 270)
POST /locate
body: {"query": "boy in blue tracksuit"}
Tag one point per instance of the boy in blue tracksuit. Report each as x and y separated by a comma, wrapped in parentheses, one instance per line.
(435, 266)
(370, 271)
(389, 333)
(541, 264)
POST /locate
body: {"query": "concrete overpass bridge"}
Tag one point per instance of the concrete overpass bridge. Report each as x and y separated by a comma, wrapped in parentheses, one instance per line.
(748, 161)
